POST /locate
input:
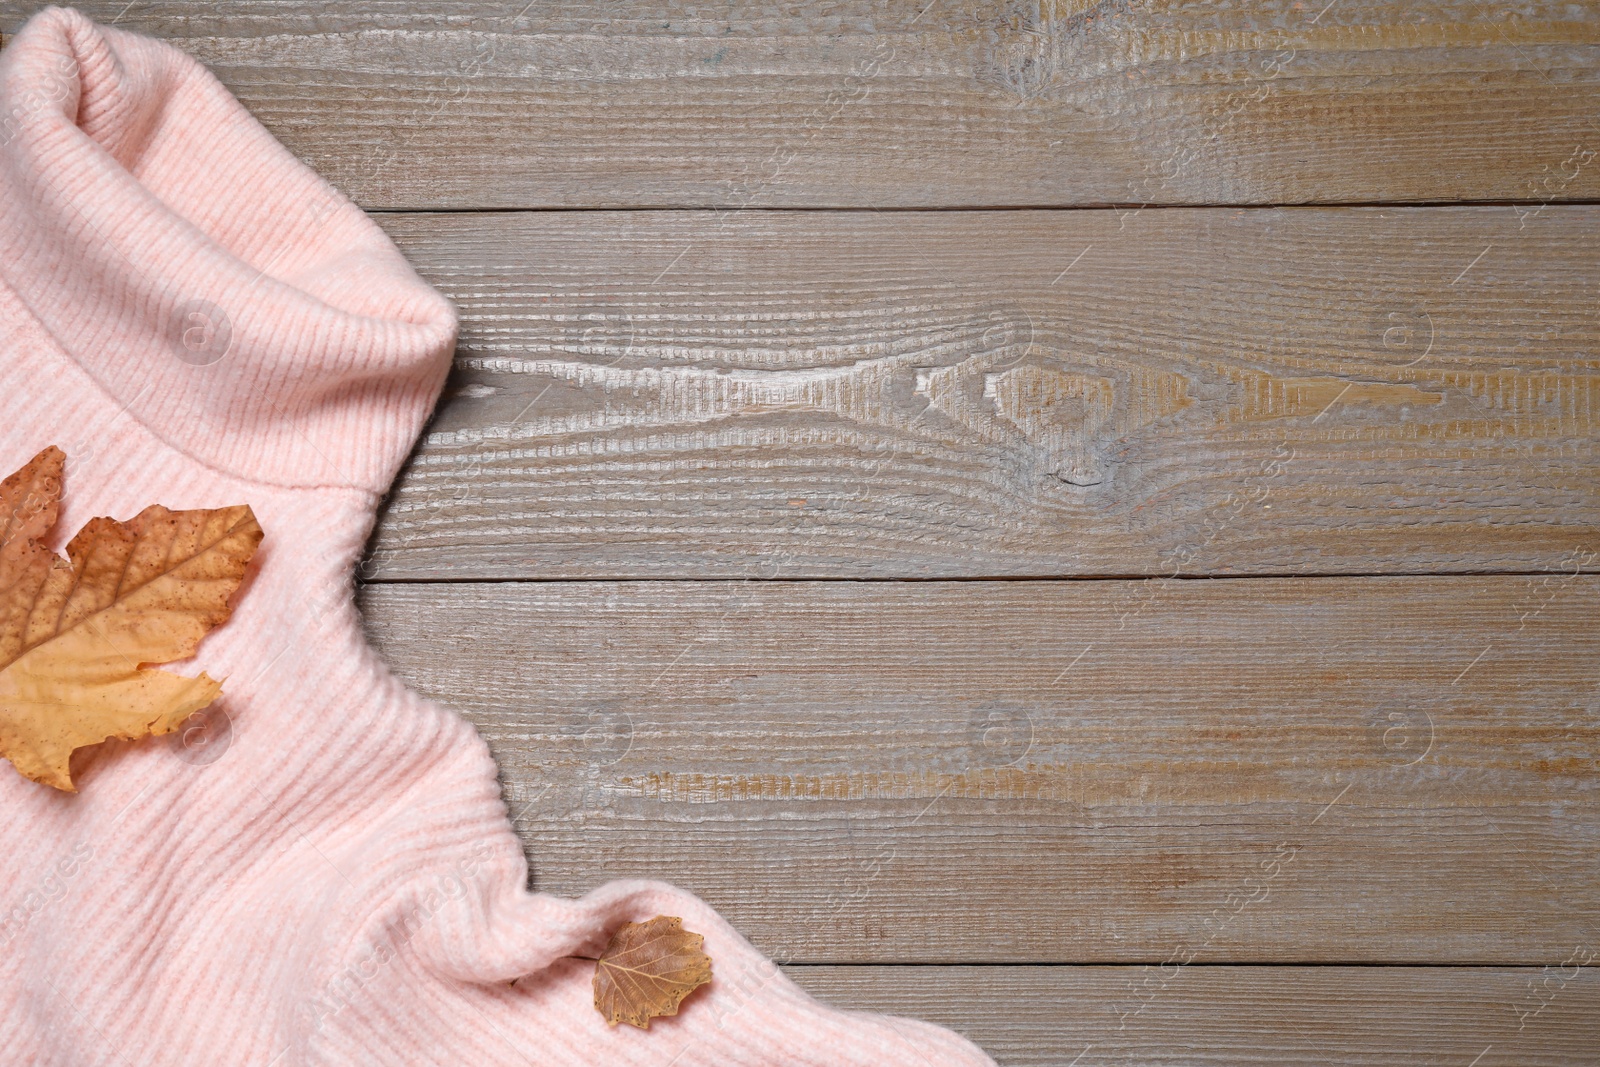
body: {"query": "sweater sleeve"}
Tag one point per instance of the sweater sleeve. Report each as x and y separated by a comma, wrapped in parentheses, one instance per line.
(216, 287)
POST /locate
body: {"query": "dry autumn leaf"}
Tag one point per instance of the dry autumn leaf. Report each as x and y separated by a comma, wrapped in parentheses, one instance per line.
(647, 970)
(75, 637)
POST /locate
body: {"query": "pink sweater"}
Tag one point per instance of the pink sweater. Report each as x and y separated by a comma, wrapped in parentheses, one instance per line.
(199, 320)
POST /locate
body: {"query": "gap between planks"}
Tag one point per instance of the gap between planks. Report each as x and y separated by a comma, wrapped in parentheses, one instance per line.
(1310, 576)
(935, 209)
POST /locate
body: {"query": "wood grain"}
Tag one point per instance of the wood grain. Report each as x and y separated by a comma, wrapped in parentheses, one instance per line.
(1236, 1016)
(855, 394)
(868, 103)
(1281, 770)
(1167, 773)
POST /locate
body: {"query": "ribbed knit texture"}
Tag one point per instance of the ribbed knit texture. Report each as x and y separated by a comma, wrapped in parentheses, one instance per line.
(199, 320)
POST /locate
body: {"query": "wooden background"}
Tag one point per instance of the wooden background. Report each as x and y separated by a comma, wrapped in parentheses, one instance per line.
(852, 401)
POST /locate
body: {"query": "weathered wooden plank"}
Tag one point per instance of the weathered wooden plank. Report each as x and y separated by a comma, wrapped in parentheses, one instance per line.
(1011, 393)
(1288, 770)
(1237, 1016)
(870, 103)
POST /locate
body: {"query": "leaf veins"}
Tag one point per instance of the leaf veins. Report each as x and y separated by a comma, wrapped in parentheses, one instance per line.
(647, 970)
(76, 634)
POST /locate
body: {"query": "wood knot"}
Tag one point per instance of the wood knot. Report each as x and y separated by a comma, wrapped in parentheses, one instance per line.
(1065, 416)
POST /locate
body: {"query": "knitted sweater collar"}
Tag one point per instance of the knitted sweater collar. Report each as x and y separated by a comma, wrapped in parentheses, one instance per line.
(223, 294)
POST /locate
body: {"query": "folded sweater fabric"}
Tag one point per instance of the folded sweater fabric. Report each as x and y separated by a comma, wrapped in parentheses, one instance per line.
(199, 320)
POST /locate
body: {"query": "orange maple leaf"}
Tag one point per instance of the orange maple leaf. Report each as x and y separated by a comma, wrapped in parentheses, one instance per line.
(75, 637)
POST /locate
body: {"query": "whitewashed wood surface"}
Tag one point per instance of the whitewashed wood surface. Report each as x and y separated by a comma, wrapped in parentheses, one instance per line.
(910, 103)
(1104, 815)
(1284, 770)
(961, 394)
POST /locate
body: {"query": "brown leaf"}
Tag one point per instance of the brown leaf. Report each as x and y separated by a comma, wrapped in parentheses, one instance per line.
(29, 500)
(647, 970)
(75, 636)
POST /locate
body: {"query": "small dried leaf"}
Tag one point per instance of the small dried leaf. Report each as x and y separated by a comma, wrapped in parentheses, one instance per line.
(75, 636)
(647, 970)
